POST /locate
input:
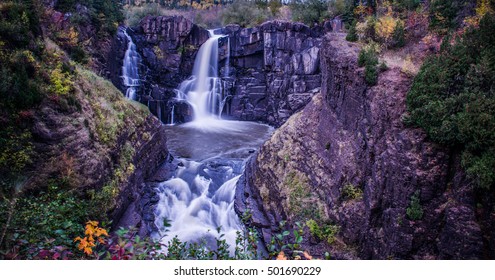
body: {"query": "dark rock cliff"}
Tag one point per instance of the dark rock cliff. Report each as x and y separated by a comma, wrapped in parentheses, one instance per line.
(352, 136)
(276, 70)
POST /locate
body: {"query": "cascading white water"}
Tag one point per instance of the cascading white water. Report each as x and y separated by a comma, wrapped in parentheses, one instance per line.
(204, 89)
(227, 62)
(194, 209)
(130, 72)
(199, 198)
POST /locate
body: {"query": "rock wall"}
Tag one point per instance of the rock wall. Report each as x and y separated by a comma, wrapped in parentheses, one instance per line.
(351, 137)
(150, 157)
(276, 70)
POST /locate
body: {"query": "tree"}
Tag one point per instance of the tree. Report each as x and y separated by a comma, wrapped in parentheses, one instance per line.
(309, 11)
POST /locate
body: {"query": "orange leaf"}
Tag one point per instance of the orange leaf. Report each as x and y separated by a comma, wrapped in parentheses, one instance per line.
(88, 250)
(307, 255)
(101, 231)
(93, 223)
(281, 256)
(89, 230)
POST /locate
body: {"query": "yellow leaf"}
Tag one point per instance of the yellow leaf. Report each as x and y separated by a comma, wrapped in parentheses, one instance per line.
(83, 243)
(89, 230)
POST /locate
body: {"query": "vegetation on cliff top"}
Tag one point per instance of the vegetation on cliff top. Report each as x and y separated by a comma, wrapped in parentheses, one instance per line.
(453, 98)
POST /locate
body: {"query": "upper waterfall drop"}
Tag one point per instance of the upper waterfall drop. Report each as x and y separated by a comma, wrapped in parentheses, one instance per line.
(130, 71)
(204, 89)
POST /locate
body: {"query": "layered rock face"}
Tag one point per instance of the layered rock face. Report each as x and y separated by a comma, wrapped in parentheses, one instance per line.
(272, 70)
(351, 137)
(276, 70)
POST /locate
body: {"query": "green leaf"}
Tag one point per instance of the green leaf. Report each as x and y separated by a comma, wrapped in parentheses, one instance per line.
(299, 239)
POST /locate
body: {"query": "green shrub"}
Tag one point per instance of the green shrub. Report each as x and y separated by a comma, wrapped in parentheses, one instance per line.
(19, 82)
(245, 13)
(415, 211)
(105, 14)
(453, 99)
(350, 192)
(398, 37)
(274, 7)
(352, 34)
(368, 58)
(443, 14)
(39, 221)
(134, 14)
(16, 150)
(370, 74)
(327, 232)
(61, 81)
(78, 54)
(339, 7)
(19, 23)
(408, 4)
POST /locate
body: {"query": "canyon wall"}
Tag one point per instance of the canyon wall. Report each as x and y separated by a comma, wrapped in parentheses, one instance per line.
(348, 160)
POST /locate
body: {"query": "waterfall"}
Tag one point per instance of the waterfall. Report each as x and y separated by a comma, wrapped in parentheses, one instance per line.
(172, 115)
(227, 62)
(199, 197)
(194, 210)
(204, 89)
(130, 73)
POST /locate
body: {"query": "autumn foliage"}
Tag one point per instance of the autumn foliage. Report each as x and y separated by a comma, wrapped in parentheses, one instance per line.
(94, 235)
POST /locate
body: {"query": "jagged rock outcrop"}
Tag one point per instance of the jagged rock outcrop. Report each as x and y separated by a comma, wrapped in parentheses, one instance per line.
(352, 137)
